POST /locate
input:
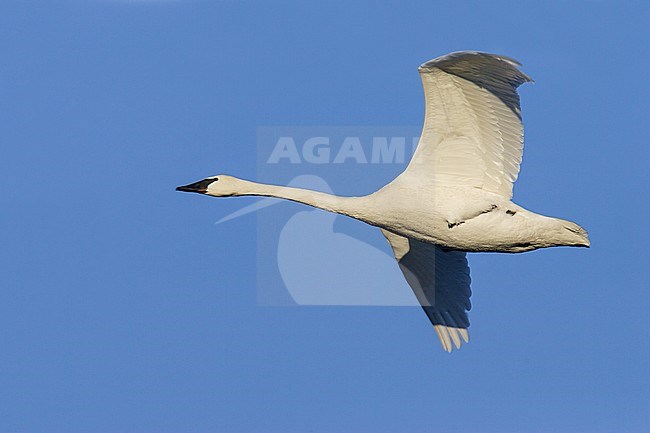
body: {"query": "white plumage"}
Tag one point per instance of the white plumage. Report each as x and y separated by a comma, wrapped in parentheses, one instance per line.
(470, 137)
(454, 196)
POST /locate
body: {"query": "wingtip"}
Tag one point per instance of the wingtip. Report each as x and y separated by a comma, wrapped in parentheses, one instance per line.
(451, 336)
(447, 62)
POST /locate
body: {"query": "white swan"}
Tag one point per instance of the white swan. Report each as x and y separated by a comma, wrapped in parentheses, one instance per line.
(454, 196)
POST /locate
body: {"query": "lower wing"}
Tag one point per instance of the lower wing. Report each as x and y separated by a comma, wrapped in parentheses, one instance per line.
(441, 282)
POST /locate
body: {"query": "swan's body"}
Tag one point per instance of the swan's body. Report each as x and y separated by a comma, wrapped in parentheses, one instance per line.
(454, 196)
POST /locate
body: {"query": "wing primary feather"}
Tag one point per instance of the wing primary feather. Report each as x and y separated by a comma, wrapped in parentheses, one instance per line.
(454, 336)
(453, 329)
(444, 331)
(444, 337)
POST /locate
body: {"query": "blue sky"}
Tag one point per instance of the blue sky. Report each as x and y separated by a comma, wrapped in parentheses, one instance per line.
(124, 308)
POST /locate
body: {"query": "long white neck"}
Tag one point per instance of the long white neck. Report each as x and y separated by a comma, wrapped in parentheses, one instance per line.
(350, 206)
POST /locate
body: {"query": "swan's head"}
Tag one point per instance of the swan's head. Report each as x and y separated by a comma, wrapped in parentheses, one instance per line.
(217, 186)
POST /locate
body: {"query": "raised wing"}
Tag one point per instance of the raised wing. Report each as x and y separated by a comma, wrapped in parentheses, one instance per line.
(472, 134)
(440, 280)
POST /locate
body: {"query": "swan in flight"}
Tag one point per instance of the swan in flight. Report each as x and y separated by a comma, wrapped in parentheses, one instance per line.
(454, 196)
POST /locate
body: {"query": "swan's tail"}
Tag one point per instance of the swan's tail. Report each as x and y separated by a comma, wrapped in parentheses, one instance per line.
(581, 236)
